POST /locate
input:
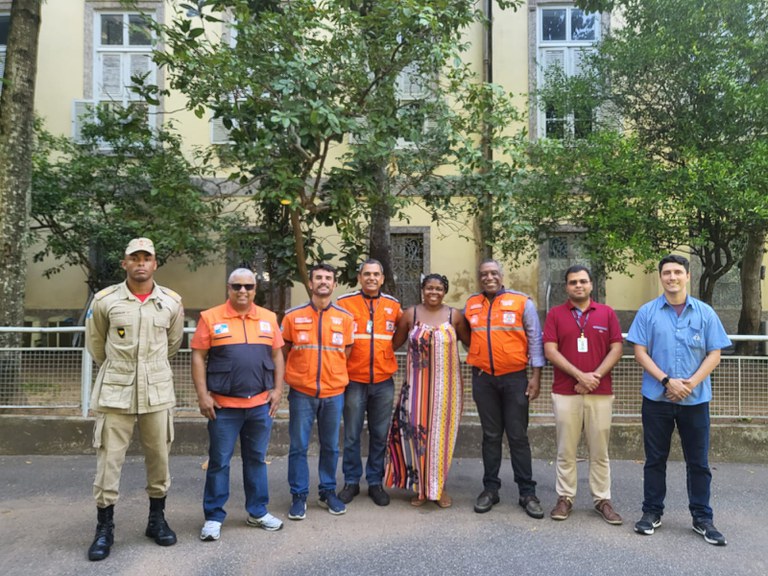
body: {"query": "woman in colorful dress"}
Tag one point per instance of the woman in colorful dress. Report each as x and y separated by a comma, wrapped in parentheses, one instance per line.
(426, 420)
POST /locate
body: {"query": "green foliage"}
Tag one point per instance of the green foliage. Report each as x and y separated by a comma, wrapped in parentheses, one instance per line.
(292, 85)
(124, 180)
(682, 89)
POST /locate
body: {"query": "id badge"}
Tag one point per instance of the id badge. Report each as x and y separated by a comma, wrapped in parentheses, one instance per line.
(581, 344)
(369, 327)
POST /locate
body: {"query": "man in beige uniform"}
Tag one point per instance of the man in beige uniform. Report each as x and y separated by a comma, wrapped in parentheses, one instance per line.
(132, 329)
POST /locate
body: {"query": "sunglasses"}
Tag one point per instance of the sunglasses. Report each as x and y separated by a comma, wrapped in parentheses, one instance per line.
(238, 287)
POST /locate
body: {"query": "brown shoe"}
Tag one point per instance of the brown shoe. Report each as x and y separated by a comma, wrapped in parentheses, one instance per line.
(604, 508)
(562, 509)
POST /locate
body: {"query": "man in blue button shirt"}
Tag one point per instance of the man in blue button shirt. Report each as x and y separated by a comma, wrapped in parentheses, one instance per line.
(677, 341)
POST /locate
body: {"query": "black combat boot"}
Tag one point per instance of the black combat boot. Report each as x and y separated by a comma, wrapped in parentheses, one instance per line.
(157, 527)
(104, 538)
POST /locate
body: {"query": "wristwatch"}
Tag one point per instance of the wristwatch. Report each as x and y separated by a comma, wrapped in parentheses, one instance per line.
(665, 381)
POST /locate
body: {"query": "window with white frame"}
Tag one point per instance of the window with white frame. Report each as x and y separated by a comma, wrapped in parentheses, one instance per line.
(122, 50)
(565, 35)
(5, 24)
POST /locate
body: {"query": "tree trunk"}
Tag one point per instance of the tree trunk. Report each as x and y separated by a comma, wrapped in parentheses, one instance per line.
(379, 245)
(16, 137)
(751, 300)
(301, 255)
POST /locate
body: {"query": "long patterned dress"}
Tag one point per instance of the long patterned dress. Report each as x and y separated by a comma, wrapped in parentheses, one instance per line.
(426, 420)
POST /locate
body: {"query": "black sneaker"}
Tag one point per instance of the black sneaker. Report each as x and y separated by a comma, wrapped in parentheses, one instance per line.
(486, 500)
(711, 534)
(648, 523)
(377, 494)
(349, 492)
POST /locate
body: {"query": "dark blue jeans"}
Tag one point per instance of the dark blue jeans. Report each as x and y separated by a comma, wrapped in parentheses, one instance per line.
(375, 401)
(253, 426)
(503, 407)
(659, 421)
(303, 411)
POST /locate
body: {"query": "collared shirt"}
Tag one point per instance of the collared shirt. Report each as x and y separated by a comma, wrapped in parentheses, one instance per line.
(564, 326)
(677, 345)
(132, 341)
(239, 369)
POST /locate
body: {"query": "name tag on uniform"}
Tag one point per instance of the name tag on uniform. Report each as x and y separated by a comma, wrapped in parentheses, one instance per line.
(369, 327)
(581, 344)
(265, 326)
(336, 321)
(508, 318)
(337, 339)
(390, 326)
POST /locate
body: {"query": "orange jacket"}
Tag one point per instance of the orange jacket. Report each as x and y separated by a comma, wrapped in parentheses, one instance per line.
(317, 363)
(499, 344)
(372, 359)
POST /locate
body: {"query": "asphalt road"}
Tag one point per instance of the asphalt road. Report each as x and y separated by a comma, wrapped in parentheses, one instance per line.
(47, 520)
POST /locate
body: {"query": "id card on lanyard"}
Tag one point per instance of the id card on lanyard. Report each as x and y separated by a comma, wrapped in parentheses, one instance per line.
(582, 344)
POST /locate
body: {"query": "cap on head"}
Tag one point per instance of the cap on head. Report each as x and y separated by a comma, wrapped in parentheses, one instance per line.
(140, 245)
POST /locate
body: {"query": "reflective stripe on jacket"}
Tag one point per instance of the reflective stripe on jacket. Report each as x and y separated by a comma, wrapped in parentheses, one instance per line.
(375, 320)
(317, 363)
(498, 344)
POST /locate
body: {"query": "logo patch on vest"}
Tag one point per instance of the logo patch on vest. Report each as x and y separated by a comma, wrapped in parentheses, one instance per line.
(303, 337)
(121, 332)
(335, 321)
(509, 318)
(390, 326)
(388, 310)
(265, 326)
(337, 339)
(221, 328)
(507, 302)
(475, 306)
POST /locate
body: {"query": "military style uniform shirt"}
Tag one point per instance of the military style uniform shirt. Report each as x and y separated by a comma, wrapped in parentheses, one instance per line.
(132, 342)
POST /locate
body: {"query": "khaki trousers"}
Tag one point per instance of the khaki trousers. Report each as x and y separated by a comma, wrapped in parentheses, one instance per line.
(111, 437)
(591, 413)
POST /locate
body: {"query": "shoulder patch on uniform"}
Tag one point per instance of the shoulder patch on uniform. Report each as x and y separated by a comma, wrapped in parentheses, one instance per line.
(108, 290)
(169, 292)
(388, 297)
(510, 291)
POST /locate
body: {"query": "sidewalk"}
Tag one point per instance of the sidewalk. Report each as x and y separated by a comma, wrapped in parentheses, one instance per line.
(47, 519)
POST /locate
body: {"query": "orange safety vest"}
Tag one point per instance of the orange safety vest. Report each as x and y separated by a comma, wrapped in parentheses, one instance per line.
(498, 344)
(317, 363)
(372, 359)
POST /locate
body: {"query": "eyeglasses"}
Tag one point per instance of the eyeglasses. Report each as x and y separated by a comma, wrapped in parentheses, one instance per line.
(238, 287)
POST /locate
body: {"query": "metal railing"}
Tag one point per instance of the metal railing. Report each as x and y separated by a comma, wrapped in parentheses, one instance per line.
(58, 379)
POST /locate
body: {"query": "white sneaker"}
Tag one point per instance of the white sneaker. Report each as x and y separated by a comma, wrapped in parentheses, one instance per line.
(267, 522)
(211, 531)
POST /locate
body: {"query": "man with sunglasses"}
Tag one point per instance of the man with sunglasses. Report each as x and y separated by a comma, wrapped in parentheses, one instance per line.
(238, 369)
(582, 339)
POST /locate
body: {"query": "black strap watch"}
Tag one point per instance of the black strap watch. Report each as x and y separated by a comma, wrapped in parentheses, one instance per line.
(665, 381)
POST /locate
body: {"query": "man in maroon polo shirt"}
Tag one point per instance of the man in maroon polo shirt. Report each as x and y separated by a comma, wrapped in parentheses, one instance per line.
(582, 339)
